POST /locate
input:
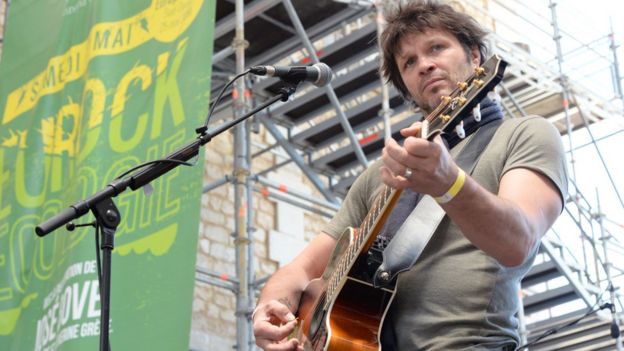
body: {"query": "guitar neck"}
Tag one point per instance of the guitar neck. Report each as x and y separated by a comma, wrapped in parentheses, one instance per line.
(376, 217)
(364, 238)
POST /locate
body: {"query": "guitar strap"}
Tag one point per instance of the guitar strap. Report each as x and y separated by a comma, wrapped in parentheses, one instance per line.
(406, 246)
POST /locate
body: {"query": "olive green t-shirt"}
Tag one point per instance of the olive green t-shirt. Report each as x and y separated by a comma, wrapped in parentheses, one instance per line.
(456, 297)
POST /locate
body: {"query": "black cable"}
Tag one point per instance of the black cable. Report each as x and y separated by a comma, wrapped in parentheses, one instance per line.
(199, 130)
(97, 256)
(557, 329)
(99, 266)
(152, 162)
(204, 128)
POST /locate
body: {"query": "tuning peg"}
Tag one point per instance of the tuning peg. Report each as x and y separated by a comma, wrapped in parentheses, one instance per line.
(462, 86)
(459, 129)
(460, 100)
(445, 118)
(478, 83)
(446, 99)
(479, 71)
(476, 113)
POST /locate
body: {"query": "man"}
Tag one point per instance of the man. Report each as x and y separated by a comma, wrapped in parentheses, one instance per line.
(461, 294)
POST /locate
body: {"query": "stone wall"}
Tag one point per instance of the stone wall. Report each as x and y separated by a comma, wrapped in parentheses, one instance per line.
(280, 230)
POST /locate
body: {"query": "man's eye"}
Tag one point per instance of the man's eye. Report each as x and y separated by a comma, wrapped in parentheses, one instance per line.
(409, 63)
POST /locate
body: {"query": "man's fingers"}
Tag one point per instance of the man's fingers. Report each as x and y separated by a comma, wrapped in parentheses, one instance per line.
(269, 334)
(281, 311)
(268, 345)
(397, 154)
(413, 130)
(394, 166)
(273, 322)
(397, 182)
(275, 309)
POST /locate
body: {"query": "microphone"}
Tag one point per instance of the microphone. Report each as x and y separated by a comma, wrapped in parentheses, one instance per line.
(615, 330)
(318, 74)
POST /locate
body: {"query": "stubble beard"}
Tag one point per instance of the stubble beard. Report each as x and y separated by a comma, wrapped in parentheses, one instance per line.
(427, 105)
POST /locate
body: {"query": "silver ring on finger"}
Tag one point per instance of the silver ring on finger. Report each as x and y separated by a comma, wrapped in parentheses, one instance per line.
(408, 173)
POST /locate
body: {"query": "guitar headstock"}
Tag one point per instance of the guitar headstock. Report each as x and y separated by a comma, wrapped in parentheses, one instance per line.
(465, 97)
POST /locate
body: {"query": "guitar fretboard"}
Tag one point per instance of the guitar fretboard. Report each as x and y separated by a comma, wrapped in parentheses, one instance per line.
(363, 238)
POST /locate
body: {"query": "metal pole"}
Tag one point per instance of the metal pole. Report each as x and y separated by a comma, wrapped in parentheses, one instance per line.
(303, 196)
(617, 82)
(216, 184)
(249, 238)
(564, 83)
(298, 159)
(513, 100)
(566, 102)
(385, 111)
(331, 94)
(607, 267)
(241, 194)
(602, 160)
(289, 200)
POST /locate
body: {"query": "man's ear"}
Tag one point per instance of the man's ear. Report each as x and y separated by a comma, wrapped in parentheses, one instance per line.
(475, 56)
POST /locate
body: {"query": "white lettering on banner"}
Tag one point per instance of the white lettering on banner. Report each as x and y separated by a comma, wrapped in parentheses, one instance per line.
(79, 299)
(71, 271)
(71, 310)
(94, 298)
(90, 328)
(90, 267)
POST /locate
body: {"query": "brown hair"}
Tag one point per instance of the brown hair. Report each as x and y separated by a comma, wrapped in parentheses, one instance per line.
(417, 17)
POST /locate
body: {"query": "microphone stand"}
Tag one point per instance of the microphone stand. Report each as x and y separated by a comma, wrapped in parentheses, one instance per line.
(108, 216)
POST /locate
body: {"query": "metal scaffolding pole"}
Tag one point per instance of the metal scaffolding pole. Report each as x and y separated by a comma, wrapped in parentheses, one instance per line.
(385, 111)
(617, 78)
(242, 194)
(607, 267)
(566, 103)
(303, 196)
(329, 90)
(513, 100)
(564, 84)
(298, 159)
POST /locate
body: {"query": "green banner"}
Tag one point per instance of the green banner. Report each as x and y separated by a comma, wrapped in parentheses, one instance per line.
(89, 89)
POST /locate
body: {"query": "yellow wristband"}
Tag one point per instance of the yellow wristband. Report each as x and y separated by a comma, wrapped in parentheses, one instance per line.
(454, 189)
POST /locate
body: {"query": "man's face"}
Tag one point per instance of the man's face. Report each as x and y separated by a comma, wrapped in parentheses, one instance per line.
(431, 63)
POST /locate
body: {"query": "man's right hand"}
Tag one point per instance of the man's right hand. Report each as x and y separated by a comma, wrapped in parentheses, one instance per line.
(273, 322)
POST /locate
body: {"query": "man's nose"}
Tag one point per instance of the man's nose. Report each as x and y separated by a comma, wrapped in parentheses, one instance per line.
(426, 65)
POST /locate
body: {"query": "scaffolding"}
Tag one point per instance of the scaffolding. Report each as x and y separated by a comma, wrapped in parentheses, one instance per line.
(531, 87)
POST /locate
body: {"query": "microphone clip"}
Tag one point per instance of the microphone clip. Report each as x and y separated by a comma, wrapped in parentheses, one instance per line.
(71, 226)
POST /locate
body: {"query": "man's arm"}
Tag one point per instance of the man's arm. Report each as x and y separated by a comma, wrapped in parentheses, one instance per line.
(273, 319)
(506, 226)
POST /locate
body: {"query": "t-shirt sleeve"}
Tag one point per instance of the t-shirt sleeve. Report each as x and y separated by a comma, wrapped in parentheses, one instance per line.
(356, 204)
(536, 145)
